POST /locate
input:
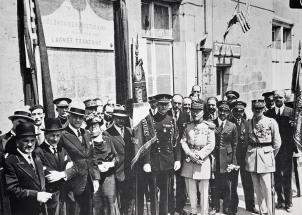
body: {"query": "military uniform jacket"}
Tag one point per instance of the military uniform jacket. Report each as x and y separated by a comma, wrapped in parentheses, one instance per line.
(50, 163)
(261, 159)
(166, 150)
(125, 150)
(82, 156)
(225, 147)
(199, 138)
(23, 184)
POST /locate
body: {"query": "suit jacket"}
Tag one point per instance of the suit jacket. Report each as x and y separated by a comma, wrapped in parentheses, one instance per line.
(225, 147)
(23, 184)
(241, 149)
(50, 163)
(285, 129)
(166, 150)
(125, 151)
(82, 156)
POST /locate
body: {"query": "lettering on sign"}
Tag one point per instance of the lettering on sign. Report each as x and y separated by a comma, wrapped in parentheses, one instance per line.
(86, 24)
(226, 50)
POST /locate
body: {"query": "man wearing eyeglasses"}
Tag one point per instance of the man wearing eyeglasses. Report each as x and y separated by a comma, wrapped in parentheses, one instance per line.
(284, 116)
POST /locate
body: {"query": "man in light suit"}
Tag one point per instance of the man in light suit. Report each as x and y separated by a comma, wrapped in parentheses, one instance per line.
(121, 138)
(24, 174)
(226, 138)
(263, 144)
(284, 116)
(76, 142)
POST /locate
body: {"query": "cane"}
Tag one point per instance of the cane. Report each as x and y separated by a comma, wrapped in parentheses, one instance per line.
(273, 193)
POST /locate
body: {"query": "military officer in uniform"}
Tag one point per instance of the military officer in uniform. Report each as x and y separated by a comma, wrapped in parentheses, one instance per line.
(198, 141)
(246, 179)
(226, 138)
(62, 107)
(164, 156)
(232, 96)
(153, 105)
(264, 142)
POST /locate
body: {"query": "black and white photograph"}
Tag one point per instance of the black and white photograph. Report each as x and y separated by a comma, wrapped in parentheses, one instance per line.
(150, 107)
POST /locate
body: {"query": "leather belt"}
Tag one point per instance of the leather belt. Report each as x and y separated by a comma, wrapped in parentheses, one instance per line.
(260, 144)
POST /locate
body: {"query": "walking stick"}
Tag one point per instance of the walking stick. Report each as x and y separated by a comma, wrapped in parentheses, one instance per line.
(273, 192)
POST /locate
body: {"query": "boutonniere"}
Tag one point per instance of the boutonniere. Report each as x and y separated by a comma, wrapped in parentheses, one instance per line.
(65, 158)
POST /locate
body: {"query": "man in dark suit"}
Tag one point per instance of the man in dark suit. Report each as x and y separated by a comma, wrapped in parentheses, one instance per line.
(153, 105)
(181, 118)
(284, 116)
(58, 165)
(76, 142)
(164, 156)
(24, 174)
(62, 107)
(121, 137)
(269, 100)
(226, 138)
(8, 143)
(246, 179)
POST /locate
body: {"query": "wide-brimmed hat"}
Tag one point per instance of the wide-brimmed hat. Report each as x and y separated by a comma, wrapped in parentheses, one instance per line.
(24, 114)
(62, 102)
(120, 111)
(76, 111)
(52, 124)
(26, 129)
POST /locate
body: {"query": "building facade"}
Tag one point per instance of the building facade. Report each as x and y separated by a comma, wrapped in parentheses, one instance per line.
(181, 43)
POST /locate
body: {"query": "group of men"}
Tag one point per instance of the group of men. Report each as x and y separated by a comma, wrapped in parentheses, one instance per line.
(82, 161)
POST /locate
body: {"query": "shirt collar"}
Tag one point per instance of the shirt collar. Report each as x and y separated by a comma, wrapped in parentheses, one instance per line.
(51, 147)
(12, 132)
(281, 109)
(25, 156)
(75, 131)
(220, 122)
(119, 129)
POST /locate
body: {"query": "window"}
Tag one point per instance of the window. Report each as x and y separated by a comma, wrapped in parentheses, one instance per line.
(156, 20)
(282, 34)
(276, 37)
(287, 38)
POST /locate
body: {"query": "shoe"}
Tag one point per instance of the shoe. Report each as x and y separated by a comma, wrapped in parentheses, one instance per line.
(288, 208)
(279, 205)
(252, 210)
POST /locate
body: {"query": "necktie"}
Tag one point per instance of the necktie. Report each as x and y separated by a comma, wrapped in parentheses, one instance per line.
(80, 135)
(122, 132)
(279, 112)
(238, 121)
(31, 163)
(221, 126)
(55, 152)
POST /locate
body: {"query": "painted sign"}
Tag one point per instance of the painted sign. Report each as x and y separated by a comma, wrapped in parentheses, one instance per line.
(227, 50)
(85, 24)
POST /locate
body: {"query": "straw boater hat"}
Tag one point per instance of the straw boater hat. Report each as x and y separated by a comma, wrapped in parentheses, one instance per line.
(24, 114)
(62, 102)
(76, 111)
(120, 111)
(52, 124)
(90, 103)
(26, 129)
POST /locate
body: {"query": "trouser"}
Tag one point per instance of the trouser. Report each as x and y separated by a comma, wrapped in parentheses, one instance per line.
(296, 174)
(144, 182)
(221, 189)
(263, 186)
(192, 187)
(248, 189)
(126, 196)
(82, 204)
(234, 200)
(283, 176)
(162, 180)
(180, 197)
(105, 201)
(56, 206)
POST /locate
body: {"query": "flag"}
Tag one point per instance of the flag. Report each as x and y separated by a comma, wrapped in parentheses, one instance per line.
(243, 22)
(297, 90)
(233, 21)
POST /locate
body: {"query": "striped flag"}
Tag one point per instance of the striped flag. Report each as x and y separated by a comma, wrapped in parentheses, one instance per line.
(243, 22)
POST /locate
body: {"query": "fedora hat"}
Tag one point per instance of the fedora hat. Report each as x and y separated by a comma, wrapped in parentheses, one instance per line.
(76, 111)
(24, 114)
(26, 129)
(120, 111)
(52, 124)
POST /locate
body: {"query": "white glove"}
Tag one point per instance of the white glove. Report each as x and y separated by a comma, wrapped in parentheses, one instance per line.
(69, 165)
(54, 176)
(103, 167)
(177, 165)
(43, 196)
(96, 185)
(147, 167)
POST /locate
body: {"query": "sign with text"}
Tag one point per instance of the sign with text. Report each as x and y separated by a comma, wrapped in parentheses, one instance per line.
(227, 50)
(85, 24)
